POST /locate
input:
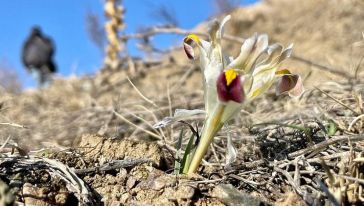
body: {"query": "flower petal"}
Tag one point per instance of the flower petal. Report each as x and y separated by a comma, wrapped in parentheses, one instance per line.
(251, 50)
(259, 48)
(263, 79)
(216, 29)
(290, 83)
(229, 87)
(245, 51)
(213, 64)
(275, 57)
(247, 82)
(189, 51)
(273, 52)
(286, 53)
(189, 40)
(222, 24)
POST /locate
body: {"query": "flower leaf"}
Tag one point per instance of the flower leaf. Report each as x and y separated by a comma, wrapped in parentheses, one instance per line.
(231, 152)
(179, 114)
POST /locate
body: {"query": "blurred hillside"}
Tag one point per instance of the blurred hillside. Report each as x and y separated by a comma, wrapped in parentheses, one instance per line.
(329, 33)
(325, 32)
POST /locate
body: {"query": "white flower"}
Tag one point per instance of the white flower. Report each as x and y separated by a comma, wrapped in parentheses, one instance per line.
(228, 85)
(212, 60)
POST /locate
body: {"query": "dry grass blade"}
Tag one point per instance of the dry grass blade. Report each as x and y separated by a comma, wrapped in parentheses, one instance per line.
(326, 143)
(361, 181)
(113, 165)
(5, 143)
(140, 94)
(338, 101)
(137, 126)
(354, 121)
(247, 181)
(322, 67)
(13, 125)
(331, 197)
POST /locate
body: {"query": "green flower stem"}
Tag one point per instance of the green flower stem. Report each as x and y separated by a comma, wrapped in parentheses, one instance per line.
(212, 126)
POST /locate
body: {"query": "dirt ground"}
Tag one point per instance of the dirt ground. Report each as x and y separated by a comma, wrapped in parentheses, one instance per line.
(90, 141)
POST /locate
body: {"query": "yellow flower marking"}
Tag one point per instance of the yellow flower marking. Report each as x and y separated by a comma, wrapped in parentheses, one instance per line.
(287, 73)
(283, 71)
(230, 75)
(192, 37)
(256, 92)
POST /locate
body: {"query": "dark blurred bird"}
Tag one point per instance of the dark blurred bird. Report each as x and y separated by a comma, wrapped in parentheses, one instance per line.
(37, 56)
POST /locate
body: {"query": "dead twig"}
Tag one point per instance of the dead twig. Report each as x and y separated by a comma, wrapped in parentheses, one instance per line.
(5, 143)
(338, 101)
(354, 121)
(140, 93)
(203, 181)
(326, 143)
(331, 197)
(113, 165)
(137, 126)
(322, 67)
(361, 181)
(308, 198)
(13, 125)
(247, 181)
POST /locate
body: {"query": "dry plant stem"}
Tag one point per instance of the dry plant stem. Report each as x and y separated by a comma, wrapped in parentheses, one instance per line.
(13, 124)
(247, 181)
(361, 181)
(213, 124)
(113, 165)
(290, 180)
(202, 182)
(324, 144)
(215, 154)
(338, 101)
(146, 131)
(170, 110)
(331, 197)
(140, 94)
(155, 119)
(354, 121)
(136, 126)
(114, 25)
(5, 143)
(319, 66)
(141, 125)
(284, 163)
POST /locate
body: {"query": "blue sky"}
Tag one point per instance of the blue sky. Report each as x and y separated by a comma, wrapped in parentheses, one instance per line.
(64, 21)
